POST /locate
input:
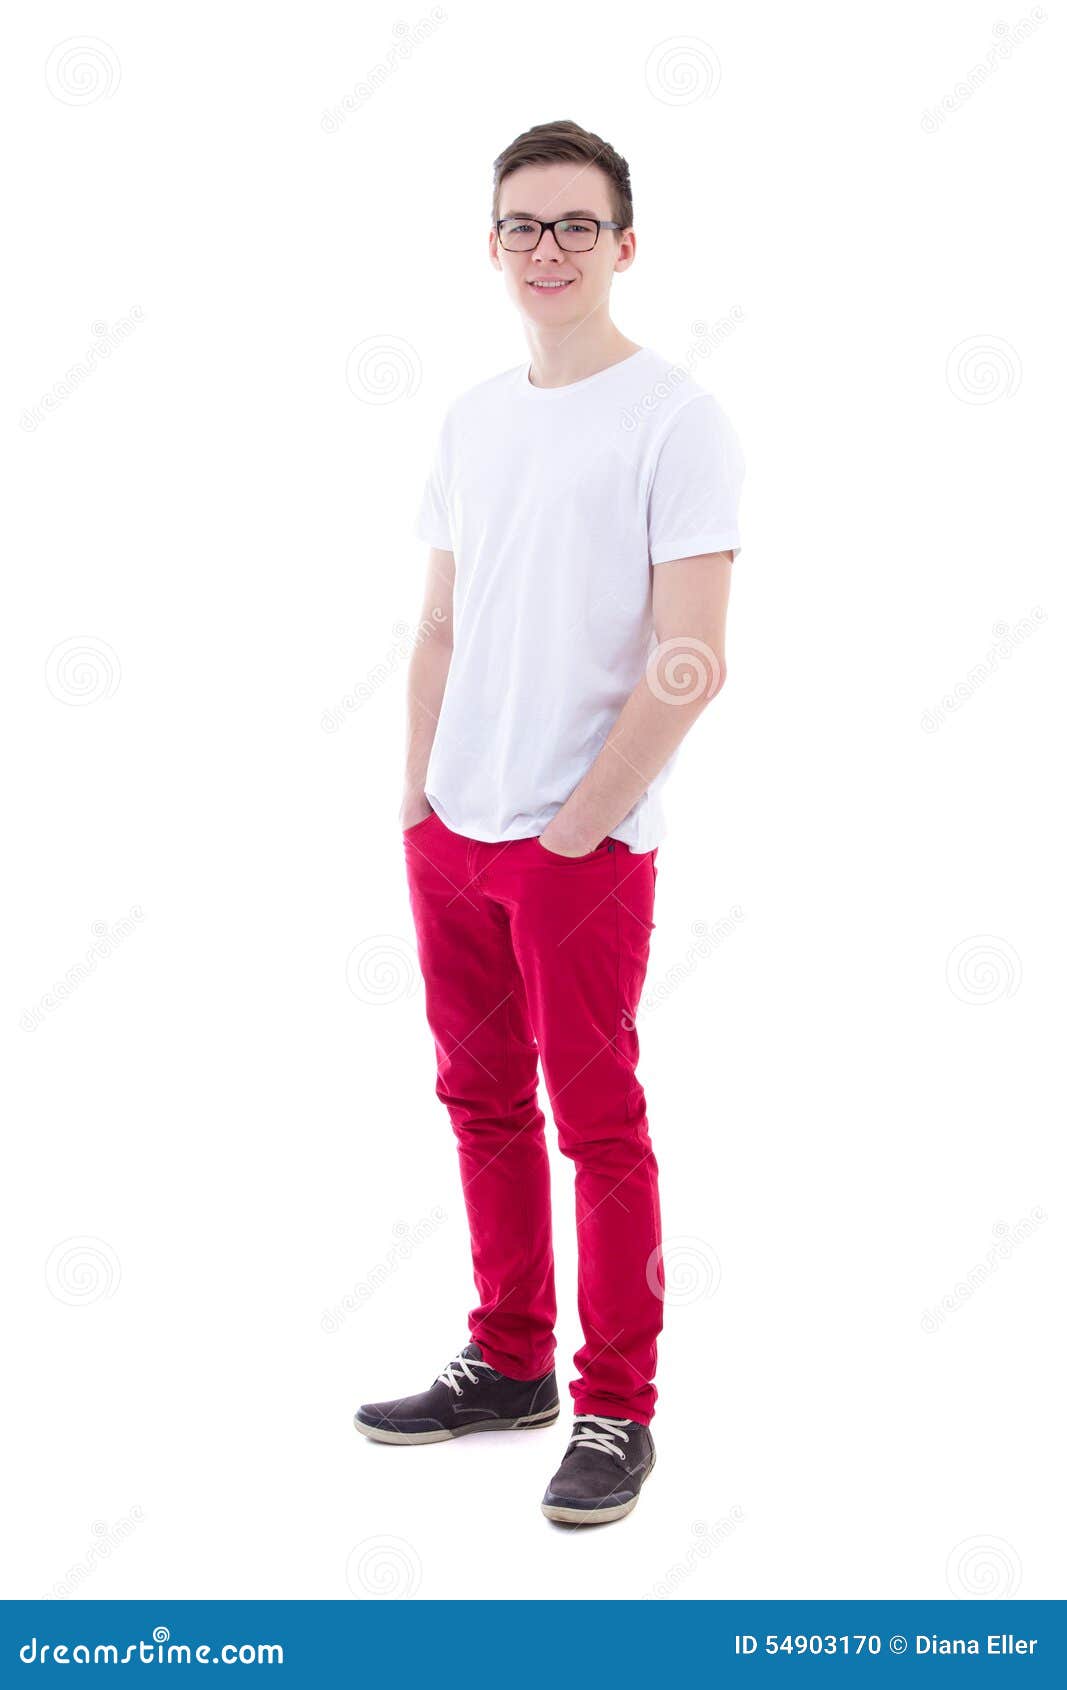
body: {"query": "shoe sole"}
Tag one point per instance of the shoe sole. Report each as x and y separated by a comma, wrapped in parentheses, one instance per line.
(525, 1423)
(593, 1516)
(587, 1516)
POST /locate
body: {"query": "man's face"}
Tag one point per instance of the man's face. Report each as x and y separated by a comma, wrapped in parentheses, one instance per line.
(548, 191)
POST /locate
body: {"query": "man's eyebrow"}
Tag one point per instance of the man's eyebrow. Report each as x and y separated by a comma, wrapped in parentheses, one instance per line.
(584, 212)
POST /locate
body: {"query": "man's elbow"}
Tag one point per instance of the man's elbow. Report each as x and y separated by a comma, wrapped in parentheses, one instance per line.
(714, 676)
(718, 680)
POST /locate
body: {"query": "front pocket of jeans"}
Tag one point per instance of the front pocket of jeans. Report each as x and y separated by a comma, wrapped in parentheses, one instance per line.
(604, 849)
(406, 832)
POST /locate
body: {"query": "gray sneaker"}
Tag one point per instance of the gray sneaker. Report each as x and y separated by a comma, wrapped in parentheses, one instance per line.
(601, 1475)
(467, 1396)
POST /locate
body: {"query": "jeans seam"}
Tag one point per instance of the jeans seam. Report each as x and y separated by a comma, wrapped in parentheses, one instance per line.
(618, 988)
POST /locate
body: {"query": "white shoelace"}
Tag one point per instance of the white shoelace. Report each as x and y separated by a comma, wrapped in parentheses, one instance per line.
(586, 1437)
(448, 1375)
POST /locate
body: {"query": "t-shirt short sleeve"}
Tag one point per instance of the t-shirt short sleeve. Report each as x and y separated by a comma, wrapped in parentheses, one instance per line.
(432, 524)
(695, 489)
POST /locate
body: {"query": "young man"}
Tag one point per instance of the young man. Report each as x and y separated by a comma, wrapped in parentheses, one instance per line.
(582, 518)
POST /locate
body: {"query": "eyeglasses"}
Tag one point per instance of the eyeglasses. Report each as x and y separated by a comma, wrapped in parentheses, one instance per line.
(571, 234)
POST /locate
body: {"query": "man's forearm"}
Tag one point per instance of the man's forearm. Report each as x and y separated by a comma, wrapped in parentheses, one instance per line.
(427, 674)
(650, 726)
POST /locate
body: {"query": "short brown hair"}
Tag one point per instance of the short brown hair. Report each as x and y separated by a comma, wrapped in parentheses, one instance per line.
(551, 143)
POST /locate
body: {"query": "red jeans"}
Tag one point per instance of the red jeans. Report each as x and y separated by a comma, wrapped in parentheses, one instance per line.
(525, 951)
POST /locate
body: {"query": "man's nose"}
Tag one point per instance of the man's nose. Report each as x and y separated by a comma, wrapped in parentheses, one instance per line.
(550, 235)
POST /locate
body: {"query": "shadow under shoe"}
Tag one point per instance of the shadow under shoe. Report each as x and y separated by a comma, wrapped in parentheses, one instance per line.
(600, 1477)
(467, 1396)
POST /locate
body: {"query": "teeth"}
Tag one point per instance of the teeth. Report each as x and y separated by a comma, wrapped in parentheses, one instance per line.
(544, 286)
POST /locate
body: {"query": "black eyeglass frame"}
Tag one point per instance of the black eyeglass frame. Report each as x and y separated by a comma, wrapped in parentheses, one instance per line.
(600, 223)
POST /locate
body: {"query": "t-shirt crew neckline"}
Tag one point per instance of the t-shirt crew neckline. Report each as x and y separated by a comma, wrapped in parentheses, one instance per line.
(527, 386)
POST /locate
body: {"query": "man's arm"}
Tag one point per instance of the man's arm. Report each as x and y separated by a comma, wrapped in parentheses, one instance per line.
(689, 599)
(427, 674)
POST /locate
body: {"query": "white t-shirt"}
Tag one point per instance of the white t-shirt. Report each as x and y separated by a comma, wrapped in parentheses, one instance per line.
(557, 503)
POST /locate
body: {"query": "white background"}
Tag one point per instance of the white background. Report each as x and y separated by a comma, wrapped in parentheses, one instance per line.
(229, 1125)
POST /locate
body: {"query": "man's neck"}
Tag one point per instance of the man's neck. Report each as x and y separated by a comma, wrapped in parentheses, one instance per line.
(573, 358)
